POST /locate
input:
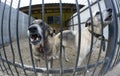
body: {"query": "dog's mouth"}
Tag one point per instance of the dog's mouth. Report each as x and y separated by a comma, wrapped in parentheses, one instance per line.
(109, 18)
(35, 38)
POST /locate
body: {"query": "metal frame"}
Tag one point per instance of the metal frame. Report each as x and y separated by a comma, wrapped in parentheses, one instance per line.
(113, 41)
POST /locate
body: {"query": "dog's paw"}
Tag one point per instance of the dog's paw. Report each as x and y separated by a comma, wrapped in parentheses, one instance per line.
(55, 57)
(88, 71)
(67, 60)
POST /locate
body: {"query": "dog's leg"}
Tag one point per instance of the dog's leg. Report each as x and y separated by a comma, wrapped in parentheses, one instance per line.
(79, 63)
(65, 55)
(35, 61)
(50, 63)
(38, 65)
(55, 52)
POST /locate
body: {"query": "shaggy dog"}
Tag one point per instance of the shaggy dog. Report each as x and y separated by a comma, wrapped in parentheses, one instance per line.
(70, 37)
(41, 37)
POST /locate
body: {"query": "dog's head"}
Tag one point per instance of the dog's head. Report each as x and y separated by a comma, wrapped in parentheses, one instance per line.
(97, 19)
(35, 31)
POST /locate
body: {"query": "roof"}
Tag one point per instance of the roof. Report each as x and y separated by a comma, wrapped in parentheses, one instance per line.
(51, 6)
(35, 2)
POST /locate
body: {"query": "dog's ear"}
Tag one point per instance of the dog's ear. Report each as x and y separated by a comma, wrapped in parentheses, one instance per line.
(88, 22)
(50, 31)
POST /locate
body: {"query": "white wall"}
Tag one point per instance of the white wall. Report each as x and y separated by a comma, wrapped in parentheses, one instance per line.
(86, 14)
(22, 23)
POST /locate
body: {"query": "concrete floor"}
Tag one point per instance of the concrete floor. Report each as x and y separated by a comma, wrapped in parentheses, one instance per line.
(114, 72)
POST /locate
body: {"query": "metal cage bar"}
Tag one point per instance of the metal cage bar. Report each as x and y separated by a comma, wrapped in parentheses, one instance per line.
(2, 63)
(117, 58)
(100, 50)
(9, 26)
(106, 62)
(91, 46)
(54, 71)
(79, 38)
(117, 5)
(44, 38)
(1, 68)
(82, 12)
(31, 52)
(3, 45)
(17, 36)
(61, 29)
(113, 35)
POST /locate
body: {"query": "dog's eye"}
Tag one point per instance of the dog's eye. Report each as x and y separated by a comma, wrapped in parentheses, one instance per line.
(97, 13)
(41, 24)
(31, 23)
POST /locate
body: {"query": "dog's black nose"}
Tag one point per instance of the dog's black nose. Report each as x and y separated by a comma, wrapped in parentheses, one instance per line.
(32, 29)
(109, 10)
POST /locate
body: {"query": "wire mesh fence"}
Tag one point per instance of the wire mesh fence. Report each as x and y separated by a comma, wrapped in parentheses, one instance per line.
(16, 51)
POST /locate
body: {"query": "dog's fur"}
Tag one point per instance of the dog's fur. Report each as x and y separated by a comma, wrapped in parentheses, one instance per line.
(36, 32)
(70, 38)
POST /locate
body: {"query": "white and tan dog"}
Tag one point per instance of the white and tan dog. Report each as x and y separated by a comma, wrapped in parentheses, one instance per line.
(70, 38)
(36, 31)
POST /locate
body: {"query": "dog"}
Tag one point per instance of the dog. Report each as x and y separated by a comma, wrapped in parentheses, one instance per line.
(36, 33)
(70, 37)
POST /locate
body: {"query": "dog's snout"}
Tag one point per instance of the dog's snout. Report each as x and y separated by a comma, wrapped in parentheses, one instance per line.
(32, 29)
(109, 10)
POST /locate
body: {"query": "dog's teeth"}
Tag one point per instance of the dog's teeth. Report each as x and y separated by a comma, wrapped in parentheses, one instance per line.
(37, 39)
(31, 39)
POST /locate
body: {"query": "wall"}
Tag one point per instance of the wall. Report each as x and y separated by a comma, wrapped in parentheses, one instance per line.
(65, 16)
(85, 14)
(22, 23)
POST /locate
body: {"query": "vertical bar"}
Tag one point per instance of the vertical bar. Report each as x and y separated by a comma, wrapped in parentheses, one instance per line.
(3, 64)
(113, 37)
(118, 5)
(31, 53)
(61, 28)
(116, 58)
(79, 38)
(72, 10)
(0, 63)
(86, 68)
(10, 38)
(3, 45)
(44, 38)
(100, 50)
(17, 36)
(1, 67)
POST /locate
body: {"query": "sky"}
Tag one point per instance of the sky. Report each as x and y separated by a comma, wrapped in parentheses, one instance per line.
(26, 2)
